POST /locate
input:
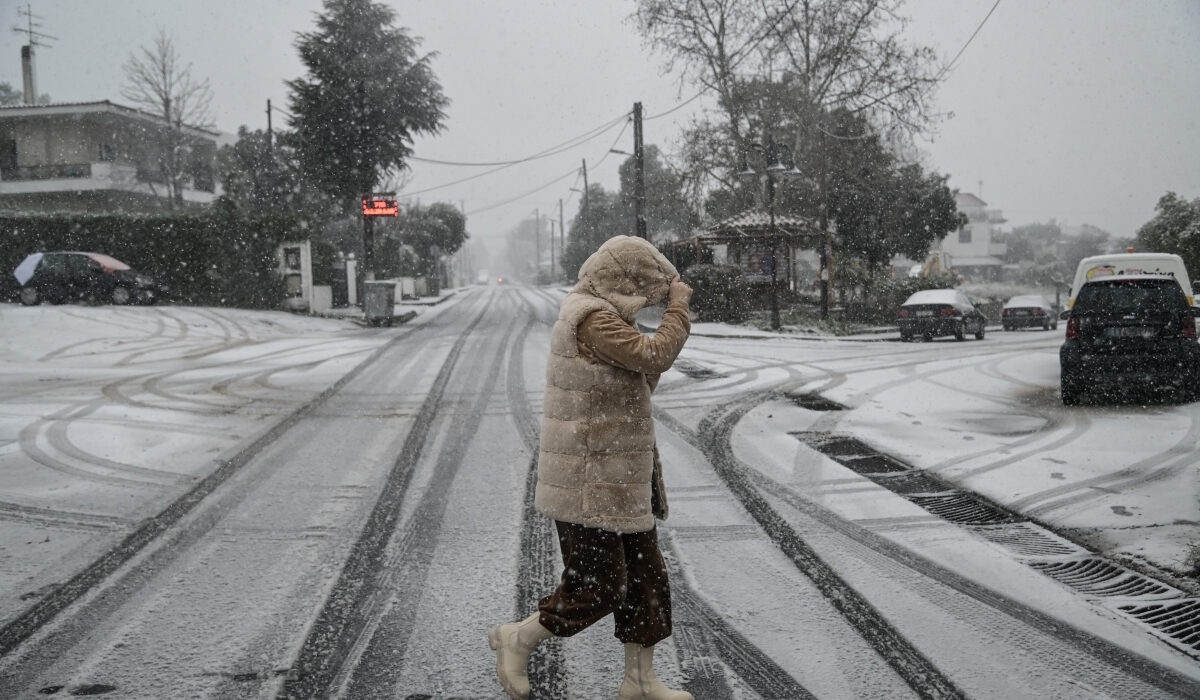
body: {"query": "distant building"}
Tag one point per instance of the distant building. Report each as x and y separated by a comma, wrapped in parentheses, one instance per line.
(970, 251)
(97, 157)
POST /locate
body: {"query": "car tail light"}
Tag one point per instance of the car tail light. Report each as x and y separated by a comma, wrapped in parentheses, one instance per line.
(1039, 312)
(902, 313)
(1189, 325)
(1006, 312)
(948, 311)
(1072, 328)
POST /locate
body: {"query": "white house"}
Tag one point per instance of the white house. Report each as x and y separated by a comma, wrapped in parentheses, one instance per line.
(96, 156)
(970, 250)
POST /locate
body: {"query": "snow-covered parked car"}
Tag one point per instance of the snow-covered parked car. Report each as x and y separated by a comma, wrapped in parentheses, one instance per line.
(62, 276)
(932, 313)
(1028, 311)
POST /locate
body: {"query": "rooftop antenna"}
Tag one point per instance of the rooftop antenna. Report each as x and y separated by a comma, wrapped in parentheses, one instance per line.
(35, 38)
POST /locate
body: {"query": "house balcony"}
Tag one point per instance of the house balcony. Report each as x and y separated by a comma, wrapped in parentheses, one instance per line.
(98, 176)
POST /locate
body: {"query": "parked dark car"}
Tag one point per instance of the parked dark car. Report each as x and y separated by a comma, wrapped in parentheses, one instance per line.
(933, 313)
(1028, 311)
(62, 276)
(1126, 333)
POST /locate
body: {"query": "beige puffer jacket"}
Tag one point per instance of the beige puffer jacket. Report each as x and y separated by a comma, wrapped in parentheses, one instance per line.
(597, 459)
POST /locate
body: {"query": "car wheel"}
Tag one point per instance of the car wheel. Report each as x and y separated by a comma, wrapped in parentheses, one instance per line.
(120, 295)
(960, 332)
(979, 331)
(1006, 327)
(906, 337)
(30, 296)
(1054, 326)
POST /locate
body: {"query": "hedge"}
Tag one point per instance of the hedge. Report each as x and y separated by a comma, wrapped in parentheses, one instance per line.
(718, 292)
(213, 258)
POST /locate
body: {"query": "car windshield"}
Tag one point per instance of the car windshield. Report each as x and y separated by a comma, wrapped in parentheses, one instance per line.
(1025, 301)
(1138, 298)
(933, 296)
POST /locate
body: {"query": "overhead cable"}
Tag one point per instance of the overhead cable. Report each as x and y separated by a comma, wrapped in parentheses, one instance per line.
(552, 150)
(494, 170)
(519, 197)
(574, 171)
(677, 107)
(969, 40)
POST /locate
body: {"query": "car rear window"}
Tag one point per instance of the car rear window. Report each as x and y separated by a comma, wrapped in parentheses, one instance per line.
(1130, 297)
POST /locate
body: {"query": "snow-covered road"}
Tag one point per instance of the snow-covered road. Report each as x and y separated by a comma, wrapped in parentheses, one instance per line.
(232, 504)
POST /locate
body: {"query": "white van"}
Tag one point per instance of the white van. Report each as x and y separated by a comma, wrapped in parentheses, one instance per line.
(1131, 264)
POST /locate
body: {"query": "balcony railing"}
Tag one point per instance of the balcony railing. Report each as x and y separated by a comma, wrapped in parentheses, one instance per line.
(58, 171)
(100, 175)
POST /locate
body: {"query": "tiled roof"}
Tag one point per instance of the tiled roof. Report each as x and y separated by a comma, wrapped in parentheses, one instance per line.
(758, 220)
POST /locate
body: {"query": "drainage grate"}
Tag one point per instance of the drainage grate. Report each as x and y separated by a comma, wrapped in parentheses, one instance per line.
(835, 445)
(1178, 621)
(908, 483)
(1098, 577)
(696, 371)
(816, 402)
(962, 508)
(1028, 540)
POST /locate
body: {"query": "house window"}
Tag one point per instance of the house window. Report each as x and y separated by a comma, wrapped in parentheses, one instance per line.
(964, 235)
(8, 154)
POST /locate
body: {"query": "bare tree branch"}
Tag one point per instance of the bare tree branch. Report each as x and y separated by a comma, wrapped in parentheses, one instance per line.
(156, 81)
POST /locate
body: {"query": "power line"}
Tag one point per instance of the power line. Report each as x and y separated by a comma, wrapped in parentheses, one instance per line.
(552, 150)
(964, 47)
(677, 107)
(574, 171)
(523, 195)
(493, 170)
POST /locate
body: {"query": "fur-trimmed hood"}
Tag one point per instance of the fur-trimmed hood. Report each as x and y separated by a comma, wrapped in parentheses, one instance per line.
(627, 272)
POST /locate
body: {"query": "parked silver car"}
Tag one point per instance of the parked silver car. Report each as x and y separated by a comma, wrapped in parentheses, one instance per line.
(1028, 311)
(931, 313)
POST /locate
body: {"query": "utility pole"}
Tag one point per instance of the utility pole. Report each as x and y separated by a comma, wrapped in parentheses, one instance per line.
(537, 243)
(827, 253)
(585, 188)
(368, 222)
(639, 179)
(562, 244)
(551, 248)
(587, 236)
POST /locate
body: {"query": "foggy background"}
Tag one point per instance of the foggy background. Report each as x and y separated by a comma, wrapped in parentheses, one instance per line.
(1083, 111)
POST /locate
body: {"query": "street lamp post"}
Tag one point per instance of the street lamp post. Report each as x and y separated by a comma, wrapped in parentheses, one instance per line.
(774, 171)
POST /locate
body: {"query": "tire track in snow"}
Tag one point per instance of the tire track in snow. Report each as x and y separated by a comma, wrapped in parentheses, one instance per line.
(713, 437)
(391, 609)
(1134, 672)
(342, 618)
(150, 530)
(1179, 456)
(539, 542)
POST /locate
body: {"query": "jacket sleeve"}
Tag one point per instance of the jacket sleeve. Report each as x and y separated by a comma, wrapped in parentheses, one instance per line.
(605, 336)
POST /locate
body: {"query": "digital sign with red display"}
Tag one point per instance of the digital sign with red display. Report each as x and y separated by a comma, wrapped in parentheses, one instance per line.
(373, 206)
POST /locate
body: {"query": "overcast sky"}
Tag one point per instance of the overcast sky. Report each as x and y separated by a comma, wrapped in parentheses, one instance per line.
(1084, 111)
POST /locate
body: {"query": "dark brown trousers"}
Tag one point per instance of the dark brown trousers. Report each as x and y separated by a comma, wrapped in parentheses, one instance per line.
(607, 572)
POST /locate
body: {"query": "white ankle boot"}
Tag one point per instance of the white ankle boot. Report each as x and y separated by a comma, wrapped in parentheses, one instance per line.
(514, 642)
(640, 682)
